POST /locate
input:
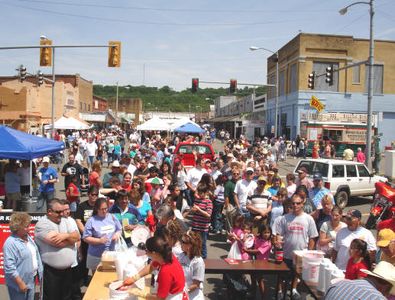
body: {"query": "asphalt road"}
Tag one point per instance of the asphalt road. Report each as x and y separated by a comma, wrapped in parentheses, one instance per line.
(217, 246)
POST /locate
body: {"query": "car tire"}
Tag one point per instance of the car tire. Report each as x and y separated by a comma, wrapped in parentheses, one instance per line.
(341, 199)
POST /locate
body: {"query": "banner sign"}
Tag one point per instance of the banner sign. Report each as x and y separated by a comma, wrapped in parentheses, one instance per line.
(316, 103)
(5, 233)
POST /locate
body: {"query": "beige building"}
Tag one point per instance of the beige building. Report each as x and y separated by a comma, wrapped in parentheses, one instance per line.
(314, 52)
(27, 106)
(128, 106)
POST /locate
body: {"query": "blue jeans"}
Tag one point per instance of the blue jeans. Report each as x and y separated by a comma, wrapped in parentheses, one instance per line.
(203, 235)
(217, 216)
(45, 198)
(17, 295)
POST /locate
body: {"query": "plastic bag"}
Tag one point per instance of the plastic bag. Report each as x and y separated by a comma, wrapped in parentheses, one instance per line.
(120, 245)
(234, 251)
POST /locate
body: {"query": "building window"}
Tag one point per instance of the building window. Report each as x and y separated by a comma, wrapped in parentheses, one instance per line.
(320, 83)
(281, 83)
(89, 107)
(356, 74)
(378, 72)
(80, 106)
(293, 79)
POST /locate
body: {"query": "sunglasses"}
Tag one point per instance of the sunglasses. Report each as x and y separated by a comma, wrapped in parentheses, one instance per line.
(235, 174)
(58, 211)
(94, 194)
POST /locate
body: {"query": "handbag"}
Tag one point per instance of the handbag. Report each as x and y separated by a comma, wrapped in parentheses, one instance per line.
(120, 245)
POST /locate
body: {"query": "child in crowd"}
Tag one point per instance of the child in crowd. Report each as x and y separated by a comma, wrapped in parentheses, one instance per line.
(359, 259)
(192, 264)
(247, 240)
(201, 214)
(277, 205)
(237, 229)
(261, 250)
(73, 194)
(218, 205)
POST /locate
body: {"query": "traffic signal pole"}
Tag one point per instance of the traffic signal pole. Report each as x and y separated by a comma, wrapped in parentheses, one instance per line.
(112, 45)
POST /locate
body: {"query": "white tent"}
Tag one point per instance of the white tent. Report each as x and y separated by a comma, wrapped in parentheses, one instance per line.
(162, 124)
(70, 123)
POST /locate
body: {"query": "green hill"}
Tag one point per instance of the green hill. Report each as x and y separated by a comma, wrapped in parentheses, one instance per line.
(167, 99)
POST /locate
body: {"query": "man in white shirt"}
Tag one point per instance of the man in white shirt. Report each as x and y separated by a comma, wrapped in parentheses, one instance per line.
(344, 237)
(243, 189)
(193, 177)
(91, 150)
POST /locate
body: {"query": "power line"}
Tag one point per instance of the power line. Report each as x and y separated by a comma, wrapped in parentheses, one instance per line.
(145, 22)
(194, 10)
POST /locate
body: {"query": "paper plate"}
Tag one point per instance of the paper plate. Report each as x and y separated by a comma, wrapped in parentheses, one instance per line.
(140, 234)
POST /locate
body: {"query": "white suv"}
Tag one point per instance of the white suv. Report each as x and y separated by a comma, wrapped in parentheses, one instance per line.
(343, 178)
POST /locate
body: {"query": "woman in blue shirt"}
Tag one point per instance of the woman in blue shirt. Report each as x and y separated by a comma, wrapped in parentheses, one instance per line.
(22, 261)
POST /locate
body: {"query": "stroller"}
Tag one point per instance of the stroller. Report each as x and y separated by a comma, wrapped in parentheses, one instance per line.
(84, 187)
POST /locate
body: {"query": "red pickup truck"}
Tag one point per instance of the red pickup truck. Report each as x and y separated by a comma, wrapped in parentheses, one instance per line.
(184, 152)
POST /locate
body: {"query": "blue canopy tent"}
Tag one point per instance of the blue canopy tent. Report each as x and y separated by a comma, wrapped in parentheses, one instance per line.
(189, 128)
(15, 144)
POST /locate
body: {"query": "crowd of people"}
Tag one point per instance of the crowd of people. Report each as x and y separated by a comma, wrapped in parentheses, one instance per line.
(240, 196)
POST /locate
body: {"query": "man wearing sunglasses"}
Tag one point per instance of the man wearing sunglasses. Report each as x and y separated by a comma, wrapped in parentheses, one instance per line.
(56, 243)
(295, 231)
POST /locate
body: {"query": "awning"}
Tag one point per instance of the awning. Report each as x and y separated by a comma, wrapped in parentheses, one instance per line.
(225, 119)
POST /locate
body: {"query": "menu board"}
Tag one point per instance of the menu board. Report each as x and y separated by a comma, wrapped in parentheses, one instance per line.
(5, 233)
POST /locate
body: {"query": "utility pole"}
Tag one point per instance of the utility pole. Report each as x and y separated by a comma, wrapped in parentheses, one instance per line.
(116, 105)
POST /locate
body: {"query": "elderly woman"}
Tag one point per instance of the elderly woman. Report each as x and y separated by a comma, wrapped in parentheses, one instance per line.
(22, 261)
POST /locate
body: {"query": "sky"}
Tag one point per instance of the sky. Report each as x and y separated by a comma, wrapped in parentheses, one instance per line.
(167, 43)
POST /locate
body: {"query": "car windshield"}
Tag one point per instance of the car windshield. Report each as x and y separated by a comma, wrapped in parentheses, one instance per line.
(200, 149)
(314, 167)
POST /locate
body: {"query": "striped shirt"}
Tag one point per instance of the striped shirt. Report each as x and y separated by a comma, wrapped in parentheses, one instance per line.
(360, 289)
(200, 222)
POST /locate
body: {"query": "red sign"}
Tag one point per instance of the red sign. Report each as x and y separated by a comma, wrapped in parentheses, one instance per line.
(5, 233)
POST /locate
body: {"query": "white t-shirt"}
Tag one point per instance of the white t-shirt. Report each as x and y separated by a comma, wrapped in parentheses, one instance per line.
(344, 238)
(24, 175)
(243, 189)
(91, 148)
(131, 169)
(194, 175)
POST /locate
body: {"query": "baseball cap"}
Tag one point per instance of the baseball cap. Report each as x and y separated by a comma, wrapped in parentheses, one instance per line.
(317, 176)
(115, 164)
(250, 170)
(354, 213)
(302, 170)
(46, 159)
(262, 178)
(385, 236)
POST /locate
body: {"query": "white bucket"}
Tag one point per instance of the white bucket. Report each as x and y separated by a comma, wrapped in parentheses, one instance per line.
(311, 266)
(323, 280)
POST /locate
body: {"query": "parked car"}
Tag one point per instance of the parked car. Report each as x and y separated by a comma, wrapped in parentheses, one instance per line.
(184, 152)
(343, 178)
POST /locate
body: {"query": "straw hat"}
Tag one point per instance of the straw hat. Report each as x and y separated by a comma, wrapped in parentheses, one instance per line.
(384, 270)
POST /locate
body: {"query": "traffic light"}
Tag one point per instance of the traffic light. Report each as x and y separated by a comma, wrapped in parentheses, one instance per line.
(45, 53)
(311, 80)
(114, 54)
(22, 73)
(233, 86)
(329, 75)
(195, 85)
(40, 77)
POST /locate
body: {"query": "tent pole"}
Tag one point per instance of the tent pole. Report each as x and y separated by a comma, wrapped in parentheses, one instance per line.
(30, 177)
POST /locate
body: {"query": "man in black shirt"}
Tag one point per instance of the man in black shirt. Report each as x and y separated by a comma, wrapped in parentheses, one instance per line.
(81, 216)
(70, 169)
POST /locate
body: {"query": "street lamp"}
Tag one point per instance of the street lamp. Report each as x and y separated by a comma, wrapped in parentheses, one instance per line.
(254, 48)
(343, 11)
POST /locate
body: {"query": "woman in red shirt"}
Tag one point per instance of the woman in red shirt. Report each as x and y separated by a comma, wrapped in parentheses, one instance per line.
(359, 259)
(94, 176)
(171, 279)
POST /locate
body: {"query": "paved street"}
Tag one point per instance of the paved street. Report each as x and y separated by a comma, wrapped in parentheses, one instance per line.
(217, 246)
